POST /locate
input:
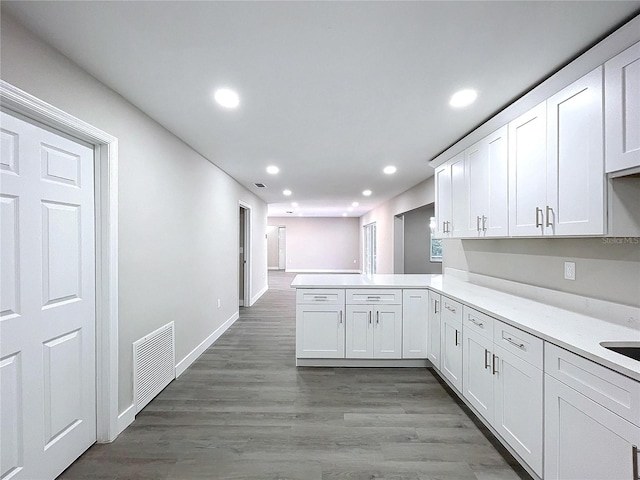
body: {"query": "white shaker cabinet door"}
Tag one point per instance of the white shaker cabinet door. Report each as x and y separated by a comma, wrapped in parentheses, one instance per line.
(518, 415)
(459, 205)
(387, 337)
(359, 334)
(433, 329)
(527, 172)
(443, 201)
(575, 160)
(451, 351)
(477, 383)
(622, 100)
(584, 440)
(319, 331)
(415, 312)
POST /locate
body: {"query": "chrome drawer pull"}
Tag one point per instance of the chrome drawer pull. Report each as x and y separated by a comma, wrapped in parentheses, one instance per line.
(487, 359)
(475, 322)
(319, 297)
(512, 342)
(495, 364)
(451, 309)
(377, 297)
(634, 459)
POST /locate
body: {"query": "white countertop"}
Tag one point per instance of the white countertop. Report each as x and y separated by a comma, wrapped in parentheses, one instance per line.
(576, 332)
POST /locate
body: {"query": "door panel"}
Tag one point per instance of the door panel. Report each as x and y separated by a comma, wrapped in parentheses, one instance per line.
(359, 333)
(47, 322)
(319, 331)
(388, 332)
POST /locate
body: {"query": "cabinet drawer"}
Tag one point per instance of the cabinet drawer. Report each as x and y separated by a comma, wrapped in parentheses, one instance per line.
(478, 322)
(314, 296)
(522, 344)
(451, 309)
(616, 392)
(374, 297)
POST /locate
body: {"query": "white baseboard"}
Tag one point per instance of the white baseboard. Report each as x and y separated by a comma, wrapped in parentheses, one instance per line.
(126, 418)
(206, 343)
(319, 270)
(257, 296)
(273, 268)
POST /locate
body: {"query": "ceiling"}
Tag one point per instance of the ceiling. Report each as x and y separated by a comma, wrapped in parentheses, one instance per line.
(330, 92)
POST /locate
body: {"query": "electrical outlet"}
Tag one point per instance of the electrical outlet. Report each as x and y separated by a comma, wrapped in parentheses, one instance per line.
(218, 303)
(569, 270)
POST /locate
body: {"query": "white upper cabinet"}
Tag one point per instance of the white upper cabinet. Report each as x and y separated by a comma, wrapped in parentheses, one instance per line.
(459, 204)
(452, 209)
(556, 164)
(622, 102)
(486, 173)
(443, 200)
(527, 172)
(575, 162)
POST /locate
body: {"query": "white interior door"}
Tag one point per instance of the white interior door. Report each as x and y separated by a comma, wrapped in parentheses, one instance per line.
(47, 315)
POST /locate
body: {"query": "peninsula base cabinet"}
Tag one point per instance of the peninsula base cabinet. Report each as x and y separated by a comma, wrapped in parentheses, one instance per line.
(415, 312)
(374, 331)
(592, 420)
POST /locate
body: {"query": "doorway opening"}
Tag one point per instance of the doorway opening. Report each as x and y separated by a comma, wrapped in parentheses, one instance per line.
(244, 257)
(370, 257)
(276, 247)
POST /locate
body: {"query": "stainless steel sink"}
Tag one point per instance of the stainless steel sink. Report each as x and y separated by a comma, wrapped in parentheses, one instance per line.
(628, 349)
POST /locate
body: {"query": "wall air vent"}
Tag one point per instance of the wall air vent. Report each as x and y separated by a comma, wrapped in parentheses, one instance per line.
(153, 364)
(260, 185)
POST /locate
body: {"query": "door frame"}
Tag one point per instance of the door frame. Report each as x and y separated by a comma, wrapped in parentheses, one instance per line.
(106, 231)
(247, 251)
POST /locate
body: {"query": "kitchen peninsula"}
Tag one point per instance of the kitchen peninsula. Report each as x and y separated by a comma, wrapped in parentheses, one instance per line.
(521, 360)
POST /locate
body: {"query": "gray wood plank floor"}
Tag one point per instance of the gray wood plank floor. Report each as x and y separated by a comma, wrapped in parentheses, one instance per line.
(244, 411)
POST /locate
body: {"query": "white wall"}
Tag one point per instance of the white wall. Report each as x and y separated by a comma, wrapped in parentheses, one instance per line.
(272, 247)
(418, 196)
(321, 243)
(178, 213)
(417, 241)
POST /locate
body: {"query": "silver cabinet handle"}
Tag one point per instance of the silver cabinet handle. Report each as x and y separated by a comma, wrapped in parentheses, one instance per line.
(448, 227)
(435, 306)
(478, 223)
(549, 214)
(319, 297)
(378, 318)
(369, 318)
(476, 322)
(514, 343)
(634, 465)
(484, 223)
(457, 342)
(487, 359)
(373, 297)
(451, 309)
(340, 316)
(538, 222)
(494, 370)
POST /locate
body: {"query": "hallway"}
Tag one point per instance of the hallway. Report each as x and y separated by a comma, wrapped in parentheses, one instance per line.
(244, 411)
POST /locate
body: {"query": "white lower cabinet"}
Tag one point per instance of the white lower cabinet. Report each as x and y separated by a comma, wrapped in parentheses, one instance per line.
(501, 385)
(433, 329)
(320, 331)
(451, 342)
(415, 311)
(592, 420)
(374, 331)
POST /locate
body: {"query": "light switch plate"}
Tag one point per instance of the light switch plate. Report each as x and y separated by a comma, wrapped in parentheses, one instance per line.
(569, 270)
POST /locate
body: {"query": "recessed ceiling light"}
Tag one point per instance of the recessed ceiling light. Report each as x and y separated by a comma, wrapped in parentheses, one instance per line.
(390, 169)
(226, 98)
(463, 98)
(355, 204)
(294, 204)
(286, 192)
(272, 169)
(366, 193)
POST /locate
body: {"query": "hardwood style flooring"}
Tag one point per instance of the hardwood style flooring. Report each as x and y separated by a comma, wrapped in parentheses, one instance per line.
(244, 411)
